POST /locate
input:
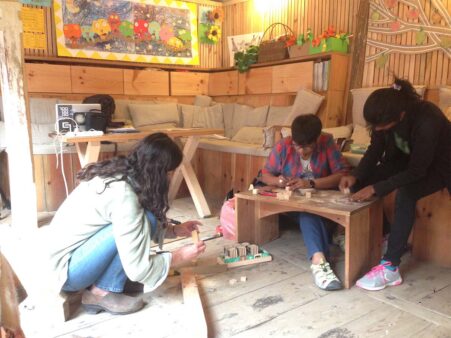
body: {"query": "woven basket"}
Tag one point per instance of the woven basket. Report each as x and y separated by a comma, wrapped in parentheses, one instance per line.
(272, 49)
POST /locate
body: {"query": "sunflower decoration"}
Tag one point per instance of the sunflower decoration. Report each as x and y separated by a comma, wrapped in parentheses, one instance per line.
(217, 15)
(214, 34)
(210, 25)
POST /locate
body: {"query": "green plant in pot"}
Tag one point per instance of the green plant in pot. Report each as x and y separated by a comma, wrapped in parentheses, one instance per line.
(244, 59)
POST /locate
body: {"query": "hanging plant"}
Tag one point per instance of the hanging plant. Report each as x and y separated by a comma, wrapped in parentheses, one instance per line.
(244, 59)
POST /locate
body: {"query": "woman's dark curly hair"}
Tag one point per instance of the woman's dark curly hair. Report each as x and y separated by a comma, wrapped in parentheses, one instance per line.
(145, 169)
(385, 105)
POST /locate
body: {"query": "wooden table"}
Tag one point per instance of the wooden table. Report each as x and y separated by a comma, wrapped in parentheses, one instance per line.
(88, 150)
(257, 222)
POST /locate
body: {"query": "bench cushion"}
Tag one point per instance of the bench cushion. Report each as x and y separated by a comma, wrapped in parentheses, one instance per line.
(227, 146)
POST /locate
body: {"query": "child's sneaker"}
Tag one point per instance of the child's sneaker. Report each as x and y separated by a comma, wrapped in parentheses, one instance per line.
(382, 275)
(324, 277)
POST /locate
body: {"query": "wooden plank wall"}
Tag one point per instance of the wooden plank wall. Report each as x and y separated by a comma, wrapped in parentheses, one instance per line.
(243, 17)
(432, 69)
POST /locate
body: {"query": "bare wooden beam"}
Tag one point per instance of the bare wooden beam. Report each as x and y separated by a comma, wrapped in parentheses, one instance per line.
(17, 120)
(196, 323)
(357, 60)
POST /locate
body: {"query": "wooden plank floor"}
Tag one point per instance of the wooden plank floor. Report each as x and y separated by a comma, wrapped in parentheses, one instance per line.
(277, 300)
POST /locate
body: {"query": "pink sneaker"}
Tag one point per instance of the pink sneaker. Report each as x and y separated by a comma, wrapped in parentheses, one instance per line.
(379, 277)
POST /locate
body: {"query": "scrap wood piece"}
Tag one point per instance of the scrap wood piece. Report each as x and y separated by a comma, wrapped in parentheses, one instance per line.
(197, 324)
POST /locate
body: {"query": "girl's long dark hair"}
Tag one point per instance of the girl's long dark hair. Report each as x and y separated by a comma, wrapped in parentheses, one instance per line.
(145, 169)
(385, 105)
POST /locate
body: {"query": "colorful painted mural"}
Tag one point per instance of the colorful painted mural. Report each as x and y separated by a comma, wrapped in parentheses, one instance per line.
(146, 31)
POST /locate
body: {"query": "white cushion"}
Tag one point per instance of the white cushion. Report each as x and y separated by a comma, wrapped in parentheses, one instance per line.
(253, 135)
(227, 110)
(202, 100)
(359, 97)
(278, 115)
(339, 132)
(268, 137)
(234, 147)
(121, 111)
(306, 102)
(245, 116)
(148, 114)
(444, 98)
(187, 114)
(360, 135)
(208, 117)
(202, 117)
(42, 110)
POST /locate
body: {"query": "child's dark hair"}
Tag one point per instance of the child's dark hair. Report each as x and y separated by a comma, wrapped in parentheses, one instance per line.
(305, 129)
(385, 105)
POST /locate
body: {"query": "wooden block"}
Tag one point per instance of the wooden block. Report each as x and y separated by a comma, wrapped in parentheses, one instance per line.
(195, 236)
(45, 78)
(223, 83)
(146, 82)
(97, 80)
(292, 77)
(189, 83)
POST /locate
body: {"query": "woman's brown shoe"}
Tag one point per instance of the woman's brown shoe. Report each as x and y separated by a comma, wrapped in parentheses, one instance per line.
(115, 303)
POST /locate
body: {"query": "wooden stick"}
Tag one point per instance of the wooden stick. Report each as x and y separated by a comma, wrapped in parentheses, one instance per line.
(195, 236)
(197, 325)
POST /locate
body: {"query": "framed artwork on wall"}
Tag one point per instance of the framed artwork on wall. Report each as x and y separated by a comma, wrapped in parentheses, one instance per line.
(163, 31)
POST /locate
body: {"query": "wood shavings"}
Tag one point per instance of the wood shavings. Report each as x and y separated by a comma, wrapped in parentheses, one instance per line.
(232, 281)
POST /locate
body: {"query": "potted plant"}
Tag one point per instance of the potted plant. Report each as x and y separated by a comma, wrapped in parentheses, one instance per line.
(244, 59)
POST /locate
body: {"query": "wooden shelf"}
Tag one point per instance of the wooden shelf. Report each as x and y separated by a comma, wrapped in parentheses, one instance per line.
(140, 65)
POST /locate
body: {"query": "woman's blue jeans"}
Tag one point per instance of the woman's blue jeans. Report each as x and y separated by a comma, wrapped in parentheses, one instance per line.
(96, 262)
(315, 234)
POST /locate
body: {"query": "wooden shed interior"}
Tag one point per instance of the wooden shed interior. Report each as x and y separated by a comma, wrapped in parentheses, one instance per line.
(409, 39)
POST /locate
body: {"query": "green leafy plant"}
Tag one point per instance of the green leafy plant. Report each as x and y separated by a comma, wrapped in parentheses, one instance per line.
(244, 59)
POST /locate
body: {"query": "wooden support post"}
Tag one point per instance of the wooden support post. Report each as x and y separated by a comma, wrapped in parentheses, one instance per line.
(357, 59)
(17, 119)
(196, 323)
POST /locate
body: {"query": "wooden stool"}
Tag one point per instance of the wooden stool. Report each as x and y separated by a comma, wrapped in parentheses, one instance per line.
(432, 229)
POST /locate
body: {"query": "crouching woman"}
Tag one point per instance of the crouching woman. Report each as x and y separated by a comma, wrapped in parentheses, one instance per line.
(102, 232)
